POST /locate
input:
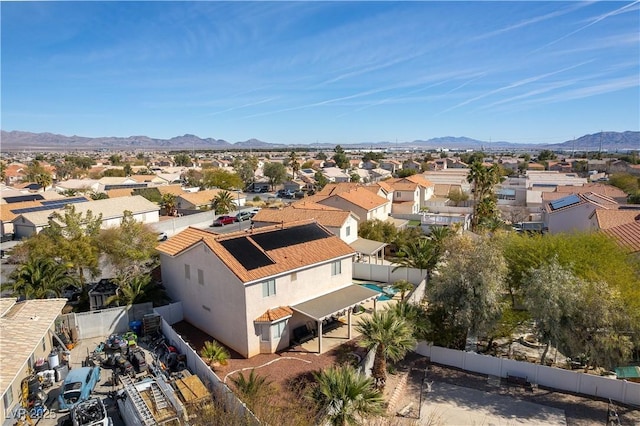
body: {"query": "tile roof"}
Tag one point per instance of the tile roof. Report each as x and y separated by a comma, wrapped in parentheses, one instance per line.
(401, 185)
(363, 198)
(171, 189)
(420, 179)
(324, 215)
(610, 218)
(596, 188)
(627, 235)
(115, 193)
(6, 213)
(284, 259)
(337, 188)
(275, 314)
(23, 326)
(201, 198)
(600, 201)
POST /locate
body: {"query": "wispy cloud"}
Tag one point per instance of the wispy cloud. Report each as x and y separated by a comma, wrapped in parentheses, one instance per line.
(250, 104)
(594, 21)
(622, 83)
(514, 85)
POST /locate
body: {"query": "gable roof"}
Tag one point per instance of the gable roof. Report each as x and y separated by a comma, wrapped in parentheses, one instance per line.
(627, 235)
(201, 197)
(337, 188)
(363, 198)
(573, 200)
(267, 251)
(610, 218)
(596, 188)
(170, 189)
(302, 210)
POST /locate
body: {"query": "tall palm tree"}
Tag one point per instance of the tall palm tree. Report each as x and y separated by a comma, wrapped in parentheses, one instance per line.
(293, 162)
(223, 202)
(416, 315)
(345, 396)
(391, 335)
(483, 179)
(40, 278)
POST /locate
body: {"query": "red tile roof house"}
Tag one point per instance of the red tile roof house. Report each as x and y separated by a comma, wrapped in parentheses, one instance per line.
(253, 291)
(573, 212)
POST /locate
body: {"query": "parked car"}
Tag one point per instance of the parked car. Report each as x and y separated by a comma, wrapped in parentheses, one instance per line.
(243, 215)
(283, 193)
(223, 220)
(77, 387)
(162, 236)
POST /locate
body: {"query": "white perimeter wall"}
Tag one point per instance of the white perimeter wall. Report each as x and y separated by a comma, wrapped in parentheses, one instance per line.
(386, 274)
(556, 378)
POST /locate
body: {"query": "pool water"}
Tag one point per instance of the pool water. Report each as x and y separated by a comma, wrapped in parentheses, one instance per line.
(387, 291)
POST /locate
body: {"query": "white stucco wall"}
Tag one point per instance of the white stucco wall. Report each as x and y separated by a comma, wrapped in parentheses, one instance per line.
(569, 220)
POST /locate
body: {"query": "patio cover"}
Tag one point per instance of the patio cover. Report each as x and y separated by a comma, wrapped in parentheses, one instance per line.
(367, 247)
(323, 307)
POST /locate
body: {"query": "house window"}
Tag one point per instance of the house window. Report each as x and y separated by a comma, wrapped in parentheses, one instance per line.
(206, 308)
(200, 277)
(8, 398)
(265, 334)
(278, 329)
(187, 272)
(336, 268)
(268, 288)
(294, 276)
(348, 231)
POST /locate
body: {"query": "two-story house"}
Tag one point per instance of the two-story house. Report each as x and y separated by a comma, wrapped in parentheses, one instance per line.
(366, 204)
(573, 212)
(251, 290)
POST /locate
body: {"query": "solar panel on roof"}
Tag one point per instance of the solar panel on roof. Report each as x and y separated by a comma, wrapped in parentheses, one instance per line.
(64, 201)
(290, 236)
(125, 186)
(55, 206)
(22, 198)
(246, 253)
(564, 202)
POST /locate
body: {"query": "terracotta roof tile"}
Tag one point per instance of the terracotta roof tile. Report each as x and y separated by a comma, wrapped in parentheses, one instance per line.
(170, 189)
(275, 314)
(627, 235)
(597, 188)
(6, 213)
(201, 197)
(337, 188)
(123, 192)
(324, 215)
(285, 258)
(610, 218)
(363, 198)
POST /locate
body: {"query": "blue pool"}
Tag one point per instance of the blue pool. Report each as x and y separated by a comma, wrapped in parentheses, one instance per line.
(387, 291)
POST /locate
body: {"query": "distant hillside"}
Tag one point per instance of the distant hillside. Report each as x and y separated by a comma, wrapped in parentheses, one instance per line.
(17, 140)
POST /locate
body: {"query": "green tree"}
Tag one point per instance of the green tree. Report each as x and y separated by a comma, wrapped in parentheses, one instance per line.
(345, 397)
(3, 170)
(470, 284)
(193, 178)
(40, 278)
(223, 179)
(168, 203)
(321, 181)
(415, 315)
(625, 181)
(127, 169)
(402, 173)
(35, 172)
(293, 162)
(94, 195)
(115, 159)
(484, 200)
(402, 286)
(546, 155)
(182, 160)
(378, 230)
(355, 177)
(390, 335)
(340, 158)
(420, 254)
(136, 289)
(245, 171)
(276, 172)
(223, 203)
(114, 173)
(457, 196)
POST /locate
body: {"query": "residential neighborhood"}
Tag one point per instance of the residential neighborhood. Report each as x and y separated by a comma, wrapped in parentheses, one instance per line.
(311, 261)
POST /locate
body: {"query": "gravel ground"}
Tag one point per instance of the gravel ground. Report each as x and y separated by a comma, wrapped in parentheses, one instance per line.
(289, 370)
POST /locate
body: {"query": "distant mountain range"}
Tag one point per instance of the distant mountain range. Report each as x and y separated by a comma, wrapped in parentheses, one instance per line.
(17, 140)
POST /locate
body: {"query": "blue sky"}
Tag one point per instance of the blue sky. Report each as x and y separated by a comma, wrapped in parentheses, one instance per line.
(301, 72)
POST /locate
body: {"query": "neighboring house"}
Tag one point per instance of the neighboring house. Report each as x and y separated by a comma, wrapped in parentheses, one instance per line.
(379, 174)
(410, 194)
(100, 292)
(412, 165)
(597, 188)
(364, 203)
(170, 189)
(341, 223)
(253, 290)
(79, 185)
(573, 212)
(31, 222)
(355, 163)
(627, 235)
(602, 219)
(14, 173)
(294, 185)
(26, 336)
(334, 174)
(202, 200)
(392, 166)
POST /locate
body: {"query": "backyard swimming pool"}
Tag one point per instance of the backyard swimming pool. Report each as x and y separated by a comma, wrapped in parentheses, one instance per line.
(387, 291)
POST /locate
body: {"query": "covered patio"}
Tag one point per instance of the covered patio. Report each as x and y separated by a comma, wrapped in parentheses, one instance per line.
(370, 248)
(336, 304)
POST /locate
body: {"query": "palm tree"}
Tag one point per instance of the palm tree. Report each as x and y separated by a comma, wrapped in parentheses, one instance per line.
(40, 278)
(252, 387)
(169, 203)
(483, 180)
(136, 289)
(214, 354)
(223, 202)
(390, 335)
(293, 162)
(403, 286)
(416, 315)
(420, 254)
(345, 396)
